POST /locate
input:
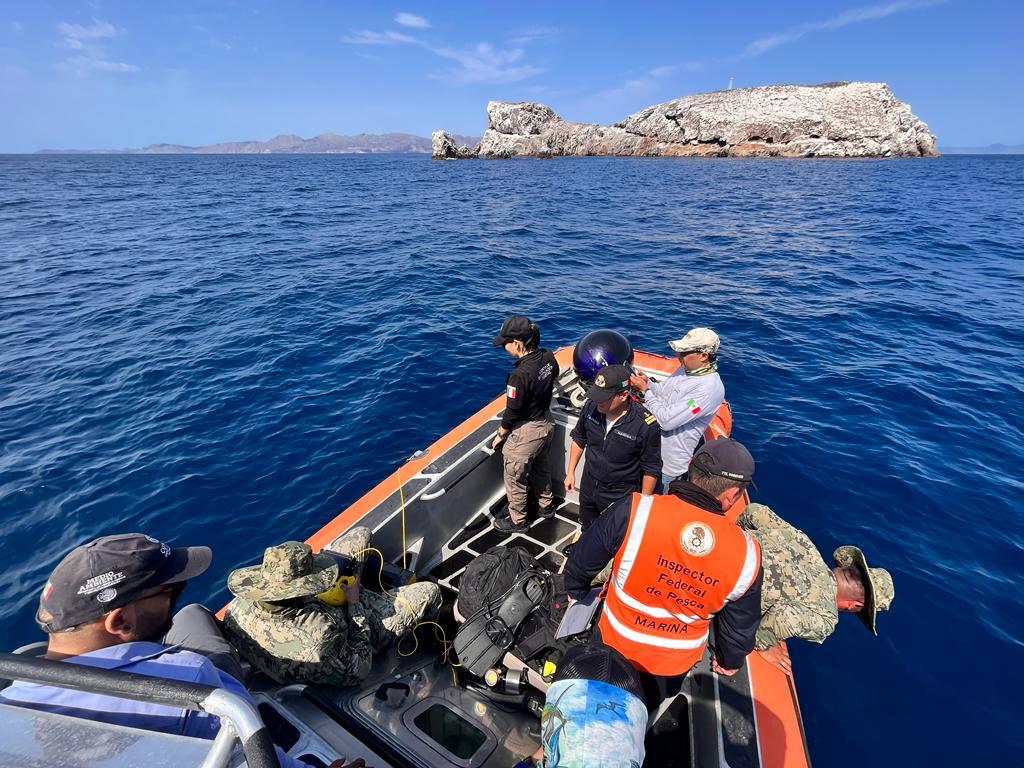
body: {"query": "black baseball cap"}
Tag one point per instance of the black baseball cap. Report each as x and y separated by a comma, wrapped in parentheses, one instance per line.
(725, 457)
(110, 572)
(600, 662)
(609, 381)
(515, 327)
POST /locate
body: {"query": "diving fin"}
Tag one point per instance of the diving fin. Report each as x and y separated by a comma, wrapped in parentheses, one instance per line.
(484, 638)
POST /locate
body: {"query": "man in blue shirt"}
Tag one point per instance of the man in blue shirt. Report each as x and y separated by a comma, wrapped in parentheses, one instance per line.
(108, 604)
(622, 441)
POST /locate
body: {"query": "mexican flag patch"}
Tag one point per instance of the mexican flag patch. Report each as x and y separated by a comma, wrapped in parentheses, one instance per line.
(511, 391)
(692, 405)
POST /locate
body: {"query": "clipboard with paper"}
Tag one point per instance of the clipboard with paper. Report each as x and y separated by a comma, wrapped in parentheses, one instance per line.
(579, 616)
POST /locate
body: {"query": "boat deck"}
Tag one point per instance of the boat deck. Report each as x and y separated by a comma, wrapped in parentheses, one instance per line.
(545, 540)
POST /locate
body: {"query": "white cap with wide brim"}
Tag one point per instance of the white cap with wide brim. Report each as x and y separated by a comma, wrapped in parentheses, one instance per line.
(697, 340)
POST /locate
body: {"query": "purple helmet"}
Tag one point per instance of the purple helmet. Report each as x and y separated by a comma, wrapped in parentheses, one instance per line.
(598, 349)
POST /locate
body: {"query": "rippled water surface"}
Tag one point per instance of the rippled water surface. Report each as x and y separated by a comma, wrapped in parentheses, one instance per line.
(229, 350)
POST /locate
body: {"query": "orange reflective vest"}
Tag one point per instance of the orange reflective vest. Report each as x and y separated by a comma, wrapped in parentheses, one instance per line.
(676, 568)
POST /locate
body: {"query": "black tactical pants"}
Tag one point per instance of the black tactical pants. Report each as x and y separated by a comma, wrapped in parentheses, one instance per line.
(596, 497)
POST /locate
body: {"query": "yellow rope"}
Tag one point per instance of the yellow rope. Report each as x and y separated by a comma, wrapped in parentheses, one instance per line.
(446, 645)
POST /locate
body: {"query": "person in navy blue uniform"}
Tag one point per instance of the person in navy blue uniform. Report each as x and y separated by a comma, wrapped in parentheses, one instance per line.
(622, 441)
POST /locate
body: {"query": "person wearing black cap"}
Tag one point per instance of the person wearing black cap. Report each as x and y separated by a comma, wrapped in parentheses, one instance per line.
(679, 565)
(122, 588)
(526, 426)
(622, 441)
(109, 604)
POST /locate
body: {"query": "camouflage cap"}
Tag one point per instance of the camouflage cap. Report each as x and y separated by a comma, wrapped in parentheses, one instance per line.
(288, 570)
(878, 587)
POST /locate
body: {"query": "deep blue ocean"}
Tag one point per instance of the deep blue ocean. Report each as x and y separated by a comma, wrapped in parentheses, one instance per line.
(227, 350)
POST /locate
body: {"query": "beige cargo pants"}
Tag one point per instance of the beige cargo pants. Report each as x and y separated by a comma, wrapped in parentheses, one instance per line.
(527, 464)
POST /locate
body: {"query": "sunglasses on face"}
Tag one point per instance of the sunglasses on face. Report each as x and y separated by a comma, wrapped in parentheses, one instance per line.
(174, 590)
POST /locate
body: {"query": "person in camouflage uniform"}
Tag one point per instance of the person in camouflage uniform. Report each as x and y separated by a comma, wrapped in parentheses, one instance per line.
(280, 625)
(801, 597)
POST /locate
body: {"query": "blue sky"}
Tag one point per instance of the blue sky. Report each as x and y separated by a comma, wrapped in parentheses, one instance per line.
(106, 73)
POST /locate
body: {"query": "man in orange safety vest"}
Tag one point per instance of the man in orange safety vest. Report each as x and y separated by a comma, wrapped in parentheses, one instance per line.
(680, 566)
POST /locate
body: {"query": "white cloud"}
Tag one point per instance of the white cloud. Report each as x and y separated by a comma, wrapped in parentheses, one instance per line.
(92, 55)
(115, 66)
(85, 63)
(411, 20)
(646, 84)
(533, 35)
(366, 37)
(774, 40)
(483, 63)
(664, 71)
(853, 16)
(94, 31)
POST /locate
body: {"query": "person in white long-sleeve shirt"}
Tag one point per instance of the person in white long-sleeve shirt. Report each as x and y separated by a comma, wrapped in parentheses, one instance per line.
(686, 401)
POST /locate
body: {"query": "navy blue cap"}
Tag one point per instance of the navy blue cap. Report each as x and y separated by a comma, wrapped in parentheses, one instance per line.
(110, 572)
(609, 381)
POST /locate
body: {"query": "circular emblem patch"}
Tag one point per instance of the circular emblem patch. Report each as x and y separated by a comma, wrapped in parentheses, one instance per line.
(106, 595)
(599, 381)
(697, 539)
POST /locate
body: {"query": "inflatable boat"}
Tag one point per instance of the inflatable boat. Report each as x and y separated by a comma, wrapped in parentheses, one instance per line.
(430, 518)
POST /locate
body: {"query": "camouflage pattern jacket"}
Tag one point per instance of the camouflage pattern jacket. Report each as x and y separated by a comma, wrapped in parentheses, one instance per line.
(305, 641)
(798, 596)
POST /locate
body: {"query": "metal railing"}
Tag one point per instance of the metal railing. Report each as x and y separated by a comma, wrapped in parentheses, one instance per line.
(239, 717)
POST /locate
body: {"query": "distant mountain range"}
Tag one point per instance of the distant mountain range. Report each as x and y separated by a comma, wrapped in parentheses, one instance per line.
(991, 149)
(331, 143)
(286, 144)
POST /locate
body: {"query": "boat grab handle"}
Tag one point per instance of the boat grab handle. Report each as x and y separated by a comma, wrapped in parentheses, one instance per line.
(431, 495)
(486, 446)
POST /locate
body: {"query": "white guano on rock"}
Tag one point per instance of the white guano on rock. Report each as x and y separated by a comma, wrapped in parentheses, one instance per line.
(829, 120)
(444, 147)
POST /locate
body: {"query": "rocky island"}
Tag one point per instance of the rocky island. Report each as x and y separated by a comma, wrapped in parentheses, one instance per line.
(828, 120)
